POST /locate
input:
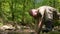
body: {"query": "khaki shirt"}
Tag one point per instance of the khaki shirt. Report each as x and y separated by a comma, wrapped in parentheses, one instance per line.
(48, 12)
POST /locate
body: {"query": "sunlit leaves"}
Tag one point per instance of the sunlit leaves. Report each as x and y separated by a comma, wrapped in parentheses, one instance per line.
(5, 6)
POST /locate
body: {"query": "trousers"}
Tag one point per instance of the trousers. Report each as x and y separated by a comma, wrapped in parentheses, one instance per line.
(48, 25)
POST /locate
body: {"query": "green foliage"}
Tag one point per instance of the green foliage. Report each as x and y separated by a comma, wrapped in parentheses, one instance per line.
(1, 24)
(18, 9)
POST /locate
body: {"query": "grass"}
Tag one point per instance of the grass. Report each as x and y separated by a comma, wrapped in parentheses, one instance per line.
(52, 32)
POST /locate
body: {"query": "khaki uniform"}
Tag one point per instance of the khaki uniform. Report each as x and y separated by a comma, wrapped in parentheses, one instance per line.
(48, 13)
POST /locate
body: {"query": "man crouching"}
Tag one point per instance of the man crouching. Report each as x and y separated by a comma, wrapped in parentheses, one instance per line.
(44, 15)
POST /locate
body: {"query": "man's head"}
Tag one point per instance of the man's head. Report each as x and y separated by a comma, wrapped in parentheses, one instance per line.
(34, 13)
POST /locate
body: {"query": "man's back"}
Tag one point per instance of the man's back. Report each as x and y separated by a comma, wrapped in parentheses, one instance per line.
(48, 11)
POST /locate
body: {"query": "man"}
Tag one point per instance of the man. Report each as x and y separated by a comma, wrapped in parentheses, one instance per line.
(46, 15)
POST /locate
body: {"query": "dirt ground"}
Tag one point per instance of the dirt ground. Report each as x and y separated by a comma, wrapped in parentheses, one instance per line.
(26, 32)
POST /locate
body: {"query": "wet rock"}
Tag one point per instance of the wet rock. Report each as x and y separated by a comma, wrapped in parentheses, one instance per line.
(7, 27)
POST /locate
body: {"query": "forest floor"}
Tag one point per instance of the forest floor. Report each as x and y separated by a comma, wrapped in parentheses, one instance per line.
(26, 32)
(23, 30)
